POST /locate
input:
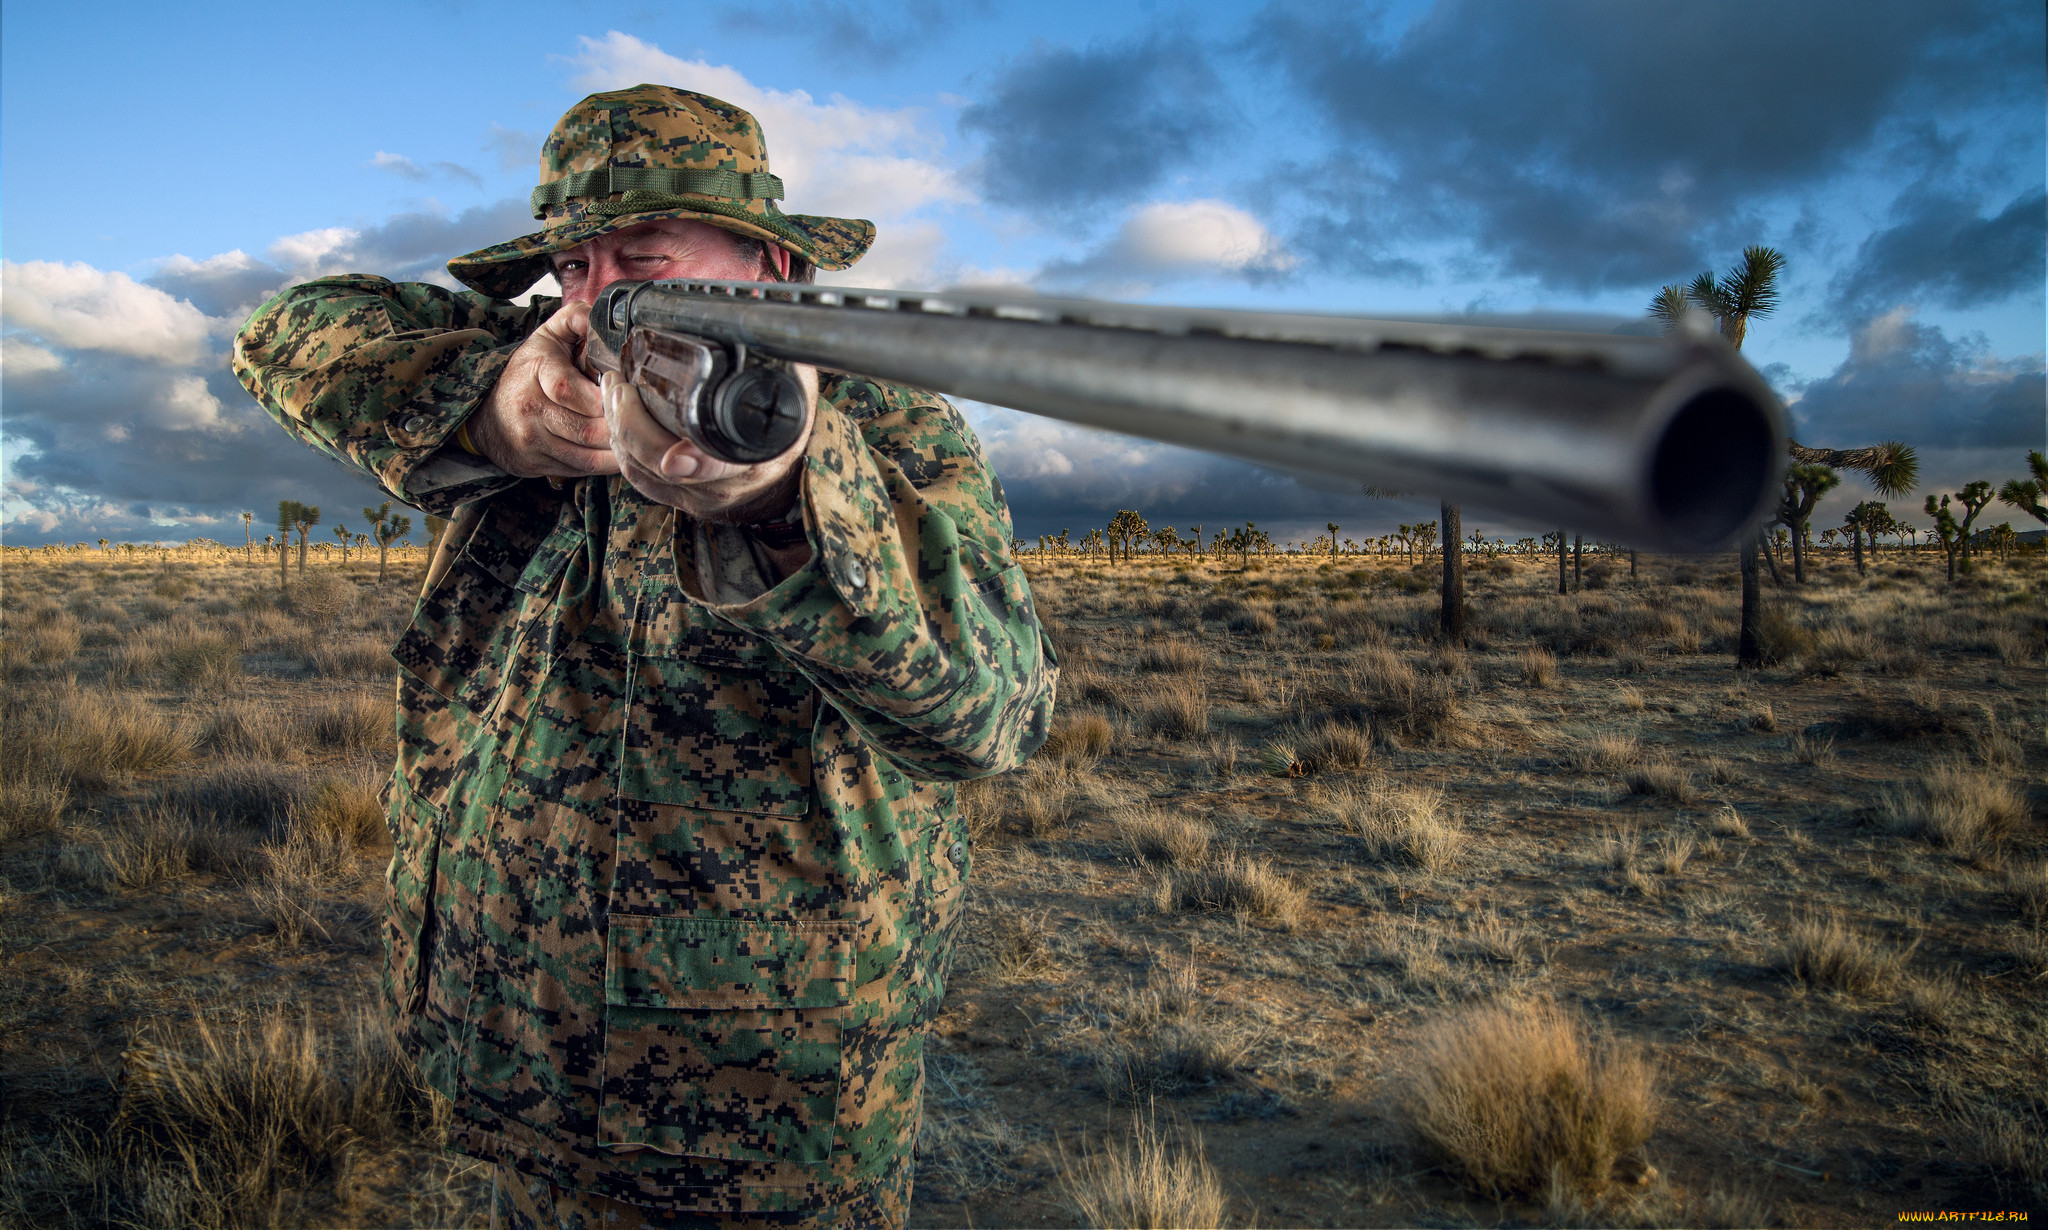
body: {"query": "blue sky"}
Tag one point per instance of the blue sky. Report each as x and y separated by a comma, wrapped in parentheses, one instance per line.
(164, 168)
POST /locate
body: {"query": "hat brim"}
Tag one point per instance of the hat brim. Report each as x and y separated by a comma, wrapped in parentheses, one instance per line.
(511, 268)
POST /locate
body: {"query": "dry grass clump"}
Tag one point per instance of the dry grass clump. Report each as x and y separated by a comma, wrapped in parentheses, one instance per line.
(91, 739)
(1956, 807)
(1609, 751)
(355, 723)
(1146, 1184)
(1331, 747)
(43, 645)
(248, 728)
(1781, 638)
(1825, 952)
(1399, 702)
(1045, 799)
(1157, 835)
(1665, 780)
(353, 657)
(28, 807)
(1178, 1055)
(1817, 749)
(349, 809)
(2026, 887)
(1174, 656)
(232, 1121)
(1518, 1098)
(1177, 707)
(965, 1148)
(260, 794)
(1254, 622)
(1079, 740)
(307, 865)
(1538, 668)
(148, 850)
(1401, 824)
(1233, 881)
(1023, 947)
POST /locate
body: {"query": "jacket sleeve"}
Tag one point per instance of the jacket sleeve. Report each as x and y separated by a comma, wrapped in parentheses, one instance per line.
(379, 374)
(910, 615)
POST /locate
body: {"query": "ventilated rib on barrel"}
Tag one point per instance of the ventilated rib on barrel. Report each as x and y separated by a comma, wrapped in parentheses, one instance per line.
(1671, 442)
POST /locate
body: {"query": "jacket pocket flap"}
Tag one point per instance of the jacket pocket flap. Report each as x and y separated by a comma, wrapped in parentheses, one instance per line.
(727, 963)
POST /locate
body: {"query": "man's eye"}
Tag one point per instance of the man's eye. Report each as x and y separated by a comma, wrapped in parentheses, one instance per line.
(567, 267)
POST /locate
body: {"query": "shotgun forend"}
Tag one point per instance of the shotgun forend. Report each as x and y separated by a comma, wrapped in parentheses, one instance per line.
(1666, 442)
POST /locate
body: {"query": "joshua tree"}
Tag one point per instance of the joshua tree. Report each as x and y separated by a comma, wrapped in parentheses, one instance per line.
(386, 528)
(1563, 586)
(1672, 307)
(1333, 540)
(1123, 527)
(344, 536)
(2026, 495)
(248, 540)
(1973, 497)
(1947, 531)
(1869, 517)
(1804, 486)
(103, 546)
(1746, 290)
(292, 515)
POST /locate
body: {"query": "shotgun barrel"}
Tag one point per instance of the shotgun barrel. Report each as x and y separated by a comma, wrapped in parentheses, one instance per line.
(1670, 442)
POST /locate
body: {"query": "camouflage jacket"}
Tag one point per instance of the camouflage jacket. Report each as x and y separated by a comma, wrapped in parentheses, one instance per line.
(675, 882)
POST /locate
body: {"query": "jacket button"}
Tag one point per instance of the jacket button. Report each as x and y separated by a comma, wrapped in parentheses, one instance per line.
(854, 575)
(416, 424)
(957, 852)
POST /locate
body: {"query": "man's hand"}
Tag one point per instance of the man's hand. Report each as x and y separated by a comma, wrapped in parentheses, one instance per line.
(670, 470)
(544, 419)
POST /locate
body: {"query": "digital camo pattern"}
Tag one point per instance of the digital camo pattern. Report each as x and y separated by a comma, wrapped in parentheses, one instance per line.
(655, 126)
(675, 885)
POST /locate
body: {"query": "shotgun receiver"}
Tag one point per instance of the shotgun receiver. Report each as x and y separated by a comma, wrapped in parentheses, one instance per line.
(1665, 442)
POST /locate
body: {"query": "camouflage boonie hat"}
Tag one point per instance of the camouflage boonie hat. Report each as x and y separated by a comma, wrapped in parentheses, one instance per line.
(653, 152)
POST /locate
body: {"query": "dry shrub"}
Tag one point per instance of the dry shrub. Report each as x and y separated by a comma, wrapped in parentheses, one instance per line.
(1606, 752)
(1398, 703)
(355, 723)
(1673, 853)
(1620, 847)
(1628, 698)
(1080, 681)
(1079, 740)
(1401, 824)
(1822, 951)
(1157, 835)
(200, 660)
(1914, 715)
(1232, 881)
(1177, 708)
(348, 809)
(1254, 622)
(241, 1116)
(318, 597)
(965, 1147)
(1761, 717)
(1538, 667)
(1146, 1184)
(1665, 780)
(1518, 1098)
(304, 867)
(45, 644)
(1956, 807)
(979, 807)
(1781, 638)
(1177, 657)
(1023, 947)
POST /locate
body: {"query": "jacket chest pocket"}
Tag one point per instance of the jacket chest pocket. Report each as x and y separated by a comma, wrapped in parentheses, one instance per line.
(719, 733)
(723, 1037)
(489, 622)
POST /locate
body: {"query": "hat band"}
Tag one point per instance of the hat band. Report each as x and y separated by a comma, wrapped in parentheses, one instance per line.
(605, 181)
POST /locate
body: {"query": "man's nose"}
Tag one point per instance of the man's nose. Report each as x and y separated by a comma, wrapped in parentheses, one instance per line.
(602, 273)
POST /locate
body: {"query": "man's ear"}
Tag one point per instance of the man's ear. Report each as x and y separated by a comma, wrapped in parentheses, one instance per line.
(776, 257)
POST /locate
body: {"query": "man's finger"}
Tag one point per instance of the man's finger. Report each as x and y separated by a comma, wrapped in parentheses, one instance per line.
(566, 423)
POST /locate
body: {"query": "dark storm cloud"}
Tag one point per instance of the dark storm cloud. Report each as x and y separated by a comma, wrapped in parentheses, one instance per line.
(1904, 380)
(111, 440)
(1942, 252)
(1591, 144)
(842, 30)
(1070, 127)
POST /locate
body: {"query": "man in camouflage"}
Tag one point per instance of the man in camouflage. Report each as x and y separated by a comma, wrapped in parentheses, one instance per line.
(678, 862)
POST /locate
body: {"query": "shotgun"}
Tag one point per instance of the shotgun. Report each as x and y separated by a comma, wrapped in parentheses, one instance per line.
(1670, 443)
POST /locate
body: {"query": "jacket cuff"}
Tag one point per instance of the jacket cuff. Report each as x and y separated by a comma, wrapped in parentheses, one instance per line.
(424, 466)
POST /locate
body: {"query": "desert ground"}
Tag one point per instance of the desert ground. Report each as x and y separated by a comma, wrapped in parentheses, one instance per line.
(1301, 918)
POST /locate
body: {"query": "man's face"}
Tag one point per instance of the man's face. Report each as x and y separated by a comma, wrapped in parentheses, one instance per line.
(669, 248)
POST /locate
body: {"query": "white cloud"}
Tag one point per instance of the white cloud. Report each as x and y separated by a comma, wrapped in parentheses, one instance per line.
(312, 254)
(38, 520)
(190, 406)
(19, 358)
(398, 164)
(77, 307)
(1178, 239)
(836, 157)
